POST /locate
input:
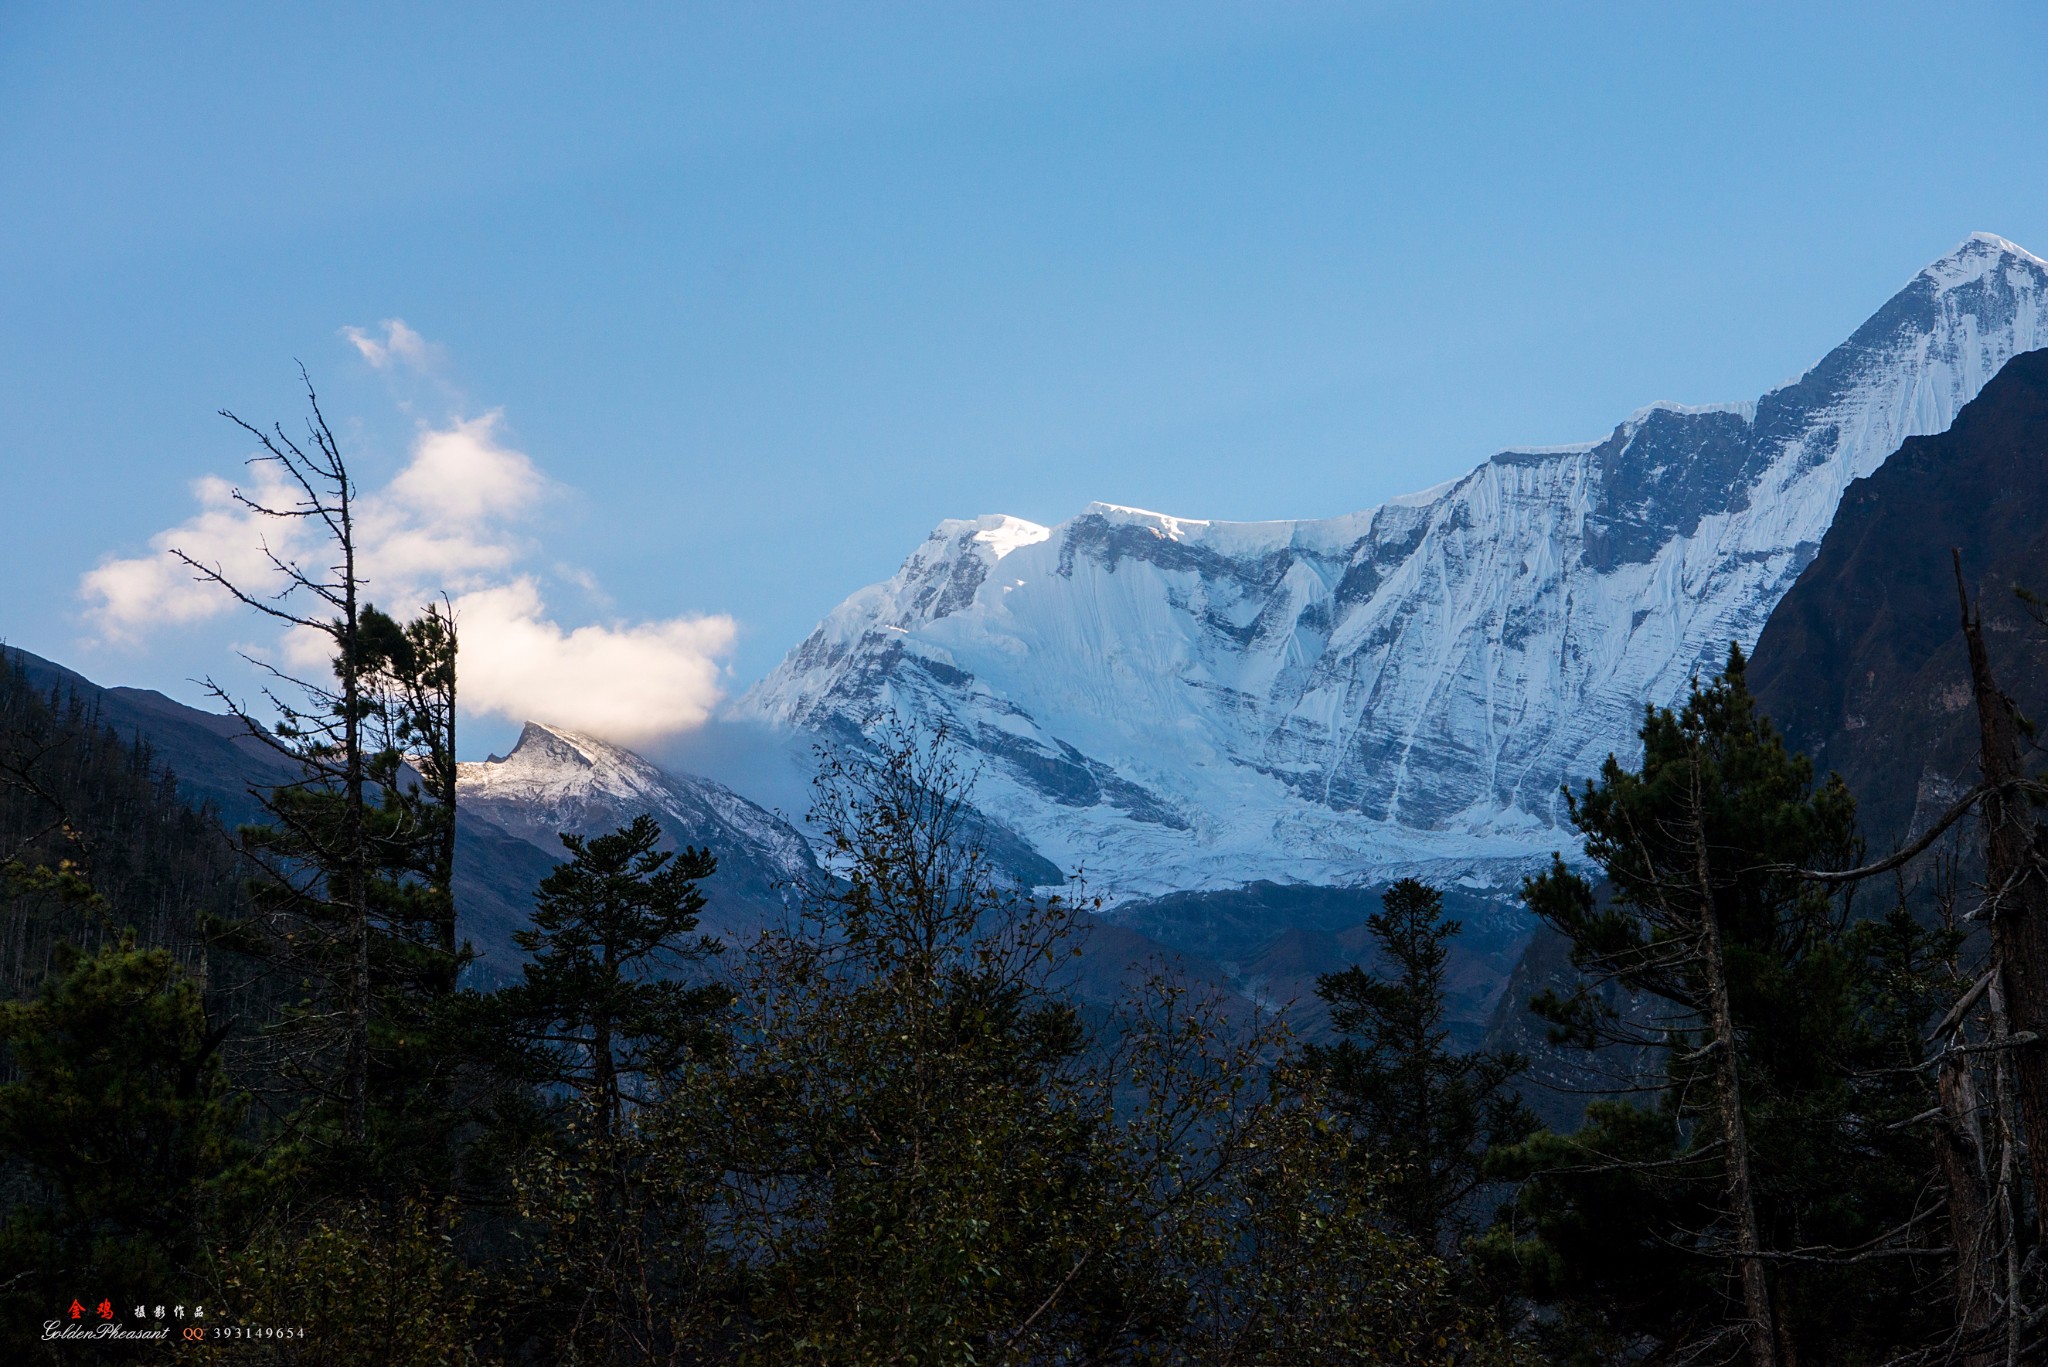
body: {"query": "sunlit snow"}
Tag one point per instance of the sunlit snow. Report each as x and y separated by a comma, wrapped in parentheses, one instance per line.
(1175, 703)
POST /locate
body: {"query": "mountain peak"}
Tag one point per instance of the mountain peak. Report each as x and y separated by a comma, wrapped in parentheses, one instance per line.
(554, 758)
(1002, 533)
(1996, 243)
(1166, 524)
(557, 780)
(1975, 257)
(544, 742)
(1181, 702)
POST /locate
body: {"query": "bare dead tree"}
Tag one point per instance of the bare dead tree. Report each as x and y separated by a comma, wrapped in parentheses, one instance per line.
(318, 860)
(1977, 1233)
(2016, 887)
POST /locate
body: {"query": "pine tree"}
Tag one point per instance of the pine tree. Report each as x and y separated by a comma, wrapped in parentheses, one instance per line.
(611, 1010)
(353, 894)
(1772, 1148)
(602, 1012)
(1405, 1094)
(123, 1117)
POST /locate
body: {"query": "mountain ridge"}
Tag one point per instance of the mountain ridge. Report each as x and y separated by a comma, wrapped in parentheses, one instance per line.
(556, 780)
(503, 848)
(1183, 703)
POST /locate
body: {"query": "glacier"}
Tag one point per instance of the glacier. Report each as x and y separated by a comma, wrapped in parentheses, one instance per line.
(1167, 704)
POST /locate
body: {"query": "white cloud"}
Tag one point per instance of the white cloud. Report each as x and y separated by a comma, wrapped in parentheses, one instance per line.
(449, 522)
(400, 345)
(629, 683)
(127, 598)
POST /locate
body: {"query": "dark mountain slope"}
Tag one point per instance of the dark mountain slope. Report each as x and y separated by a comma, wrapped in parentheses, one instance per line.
(1270, 941)
(1862, 664)
(76, 793)
(215, 759)
(216, 763)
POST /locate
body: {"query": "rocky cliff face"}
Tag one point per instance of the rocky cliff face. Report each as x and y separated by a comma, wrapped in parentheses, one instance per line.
(1176, 704)
(1862, 665)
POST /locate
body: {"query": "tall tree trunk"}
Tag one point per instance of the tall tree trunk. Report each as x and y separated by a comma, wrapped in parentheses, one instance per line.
(604, 1068)
(2006, 1194)
(354, 836)
(1964, 1173)
(1756, 1289)
(2017, 890)
(440, 718)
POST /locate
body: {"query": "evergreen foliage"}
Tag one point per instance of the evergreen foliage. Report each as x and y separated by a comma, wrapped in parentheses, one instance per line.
(1406, 1095)
(94, 841)
(365, 1284)
(122, 1115)
(352, 899)
(1774, 1165)
(600, 1013)
(885, 1132)
(601, 1027)
(912, 1176)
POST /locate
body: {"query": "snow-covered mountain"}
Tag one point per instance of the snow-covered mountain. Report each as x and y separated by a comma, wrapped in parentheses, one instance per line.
(1177, 704)
(556, 780)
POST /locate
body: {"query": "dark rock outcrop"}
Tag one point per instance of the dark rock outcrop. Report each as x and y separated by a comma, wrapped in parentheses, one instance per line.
(1862, 665)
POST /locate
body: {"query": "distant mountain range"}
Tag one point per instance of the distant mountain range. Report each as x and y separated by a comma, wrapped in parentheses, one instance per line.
(1177, 704)
(514, 809)
(1862, 666)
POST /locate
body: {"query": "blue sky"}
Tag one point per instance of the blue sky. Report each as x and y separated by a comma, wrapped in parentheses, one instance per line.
(762, 292)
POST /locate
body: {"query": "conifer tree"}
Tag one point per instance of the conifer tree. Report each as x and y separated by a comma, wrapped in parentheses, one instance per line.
(353, 894)
(1407, 1096)
(611, 1010)
(1777, 1148)
(601, 1011)
(317, 849)
(121, 1113)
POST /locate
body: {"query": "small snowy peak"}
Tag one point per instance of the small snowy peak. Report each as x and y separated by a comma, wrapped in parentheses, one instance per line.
(1514, 455)
(1229, 538)
(1744, 409)
(953, 530)
(1992, 242)
(558, 780)
(551, 760)
(1164, 523)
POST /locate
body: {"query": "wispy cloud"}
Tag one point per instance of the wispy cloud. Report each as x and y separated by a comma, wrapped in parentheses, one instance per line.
(400, 345)
(129, 598)
(451, 521)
